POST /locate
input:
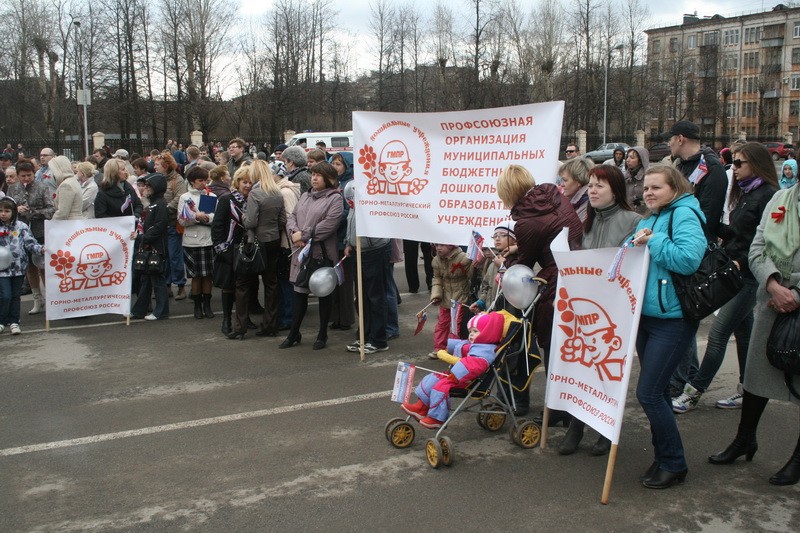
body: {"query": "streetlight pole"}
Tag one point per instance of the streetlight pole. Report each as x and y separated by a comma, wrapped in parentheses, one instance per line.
(605, 91)
(84, 98)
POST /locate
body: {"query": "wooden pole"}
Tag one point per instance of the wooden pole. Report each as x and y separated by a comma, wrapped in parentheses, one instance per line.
(360, 287)
(46, 326)
(612, 460)
(545, 423)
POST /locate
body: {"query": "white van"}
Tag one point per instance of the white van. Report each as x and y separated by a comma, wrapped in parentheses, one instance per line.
(335, 141)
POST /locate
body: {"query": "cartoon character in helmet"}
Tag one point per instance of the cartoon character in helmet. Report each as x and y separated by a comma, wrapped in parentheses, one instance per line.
(93, 264)
(395, 166)
(591, 338)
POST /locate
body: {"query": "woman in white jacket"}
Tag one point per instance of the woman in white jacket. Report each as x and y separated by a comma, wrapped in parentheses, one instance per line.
(69, 196)
(197, 246)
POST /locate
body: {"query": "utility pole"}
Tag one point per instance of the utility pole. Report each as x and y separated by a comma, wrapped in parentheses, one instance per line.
(84, 94)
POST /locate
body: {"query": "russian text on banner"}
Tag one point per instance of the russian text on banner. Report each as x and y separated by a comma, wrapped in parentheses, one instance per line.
(88, 266)
(595, 322)
(432, 177)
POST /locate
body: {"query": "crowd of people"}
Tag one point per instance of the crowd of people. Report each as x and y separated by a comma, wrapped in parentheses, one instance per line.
(199, 207)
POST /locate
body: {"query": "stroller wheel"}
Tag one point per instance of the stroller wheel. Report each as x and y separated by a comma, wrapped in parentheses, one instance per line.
(400, 434)
(446, 446)
(527, 434)
(482, 420)
(433, 453)
(387, 430)
(494, 421)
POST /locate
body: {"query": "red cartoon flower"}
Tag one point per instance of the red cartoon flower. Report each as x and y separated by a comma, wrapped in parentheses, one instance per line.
(778, 215)
(62, 262)
(367, 157)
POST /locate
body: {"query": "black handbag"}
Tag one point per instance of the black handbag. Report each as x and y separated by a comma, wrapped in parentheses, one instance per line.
(716, 281)
(148, 261)
(310, 265)
(248, 259)
(783, 346)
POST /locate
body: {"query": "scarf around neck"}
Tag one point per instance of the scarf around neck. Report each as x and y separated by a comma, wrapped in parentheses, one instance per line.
(782, 232)
(750, 184)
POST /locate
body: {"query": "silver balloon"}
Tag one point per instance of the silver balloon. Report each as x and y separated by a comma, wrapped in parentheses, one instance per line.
(5, 258)
(519, 288)
(323, 281)
(38, 260)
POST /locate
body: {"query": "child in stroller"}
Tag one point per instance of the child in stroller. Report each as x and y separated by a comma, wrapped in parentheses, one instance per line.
(470, 358)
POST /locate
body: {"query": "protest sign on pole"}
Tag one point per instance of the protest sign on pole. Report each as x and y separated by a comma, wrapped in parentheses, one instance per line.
(595, 322)
(88, 267)
(432, 177)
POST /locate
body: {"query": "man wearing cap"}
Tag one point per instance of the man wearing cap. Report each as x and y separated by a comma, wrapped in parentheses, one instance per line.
(701, 166)
(123, 156)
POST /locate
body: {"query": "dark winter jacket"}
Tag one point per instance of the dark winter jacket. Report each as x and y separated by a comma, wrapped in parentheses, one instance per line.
(711, 190)
(39, 200)
(541, 215)
(301, 176)
(738, 235)
(109, 201)
(154, 218)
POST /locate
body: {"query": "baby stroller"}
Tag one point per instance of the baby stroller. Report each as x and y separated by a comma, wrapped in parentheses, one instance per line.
(489, 395)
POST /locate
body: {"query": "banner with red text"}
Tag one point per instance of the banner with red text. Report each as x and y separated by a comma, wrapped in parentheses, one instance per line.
(88, 266)
(432, 177)
(595, 323)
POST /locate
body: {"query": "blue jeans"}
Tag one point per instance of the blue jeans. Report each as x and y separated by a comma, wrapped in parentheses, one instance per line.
(176, 272)
(661, 344)
(735, 317)
(10, 293)
(687, 367)
(152, 283)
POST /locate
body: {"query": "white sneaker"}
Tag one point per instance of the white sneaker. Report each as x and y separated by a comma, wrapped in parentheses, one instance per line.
(686, 401)
(15, 329)
(151, 316)
(2, 328)
(433, 356)
(370, 348)
(354, 347)
(734, 402)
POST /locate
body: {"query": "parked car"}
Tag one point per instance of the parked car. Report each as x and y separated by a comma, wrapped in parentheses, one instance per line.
(658, 152)
(605, 151)
(780, 150)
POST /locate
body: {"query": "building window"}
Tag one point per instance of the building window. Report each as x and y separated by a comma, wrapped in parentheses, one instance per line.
(732, 85)
(749, 85)
(796, 30)
(751, 59)
(796, 82)
(753, 35)
(795, 56)
(731, 37)
(710, 38)
(794, 107)
(656, 48)
(749, 109)
(730, 61)
(673, 44)
(691, 41)
(731, 109)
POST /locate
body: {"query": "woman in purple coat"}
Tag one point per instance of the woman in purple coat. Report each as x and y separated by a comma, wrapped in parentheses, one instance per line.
(315, 217)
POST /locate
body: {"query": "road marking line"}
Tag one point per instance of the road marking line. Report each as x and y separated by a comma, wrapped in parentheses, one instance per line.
(190, 424)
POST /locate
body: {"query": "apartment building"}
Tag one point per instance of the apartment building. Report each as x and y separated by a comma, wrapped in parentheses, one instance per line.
(728, 74)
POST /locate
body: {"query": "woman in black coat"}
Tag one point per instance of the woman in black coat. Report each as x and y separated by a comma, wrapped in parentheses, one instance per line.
(154, 236)
(115, 196)
(227, 231)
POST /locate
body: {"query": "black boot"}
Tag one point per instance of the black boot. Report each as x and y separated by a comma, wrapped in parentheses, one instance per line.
(573, 438)
(207, 306)
(601, 447)
(227, 310)
(744, 444)
(198, 306)
(790, 473)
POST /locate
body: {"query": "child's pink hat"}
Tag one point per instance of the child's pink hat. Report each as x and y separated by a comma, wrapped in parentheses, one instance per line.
(490, 326)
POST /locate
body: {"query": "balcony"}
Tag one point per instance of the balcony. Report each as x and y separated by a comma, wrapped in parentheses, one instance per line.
(772, 93)
(773, 68)
(774, 42)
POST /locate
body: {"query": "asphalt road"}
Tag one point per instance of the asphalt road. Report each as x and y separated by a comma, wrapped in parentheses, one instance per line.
(168, 426)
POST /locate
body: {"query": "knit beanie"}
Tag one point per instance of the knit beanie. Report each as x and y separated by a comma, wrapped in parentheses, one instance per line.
(490, 327)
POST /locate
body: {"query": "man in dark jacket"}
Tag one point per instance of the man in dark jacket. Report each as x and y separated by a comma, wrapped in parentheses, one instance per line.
(702, 167)
(238, 155)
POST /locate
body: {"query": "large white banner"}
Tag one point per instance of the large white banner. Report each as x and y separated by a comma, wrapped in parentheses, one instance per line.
(88, 266)
(432, 177)
(595, 323)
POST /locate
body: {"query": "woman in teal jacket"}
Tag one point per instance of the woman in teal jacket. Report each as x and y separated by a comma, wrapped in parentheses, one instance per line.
(664, 334)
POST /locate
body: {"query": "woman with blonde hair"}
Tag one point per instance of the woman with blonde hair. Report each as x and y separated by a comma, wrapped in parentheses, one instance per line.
(575, 177)
(68, 200)
(266, 217)
(115, 196)
(84, 171)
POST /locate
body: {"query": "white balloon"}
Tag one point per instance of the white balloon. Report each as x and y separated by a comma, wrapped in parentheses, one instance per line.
(38, 260)
(5, 258)
(323, 281)
(519, 288)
